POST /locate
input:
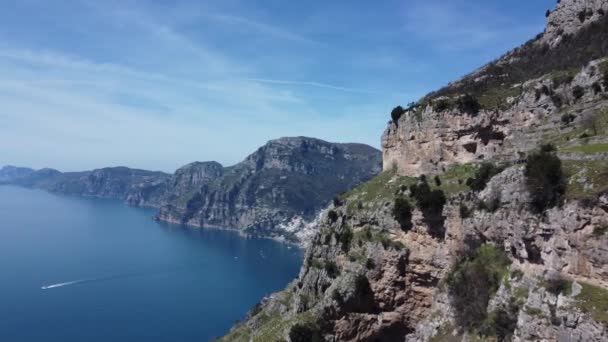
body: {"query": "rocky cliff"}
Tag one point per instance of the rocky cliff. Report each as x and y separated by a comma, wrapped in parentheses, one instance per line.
(277, 191)
(490, 220)
(112, 182)
(274, 192)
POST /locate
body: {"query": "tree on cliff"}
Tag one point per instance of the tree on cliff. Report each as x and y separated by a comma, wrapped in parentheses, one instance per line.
(396, 113)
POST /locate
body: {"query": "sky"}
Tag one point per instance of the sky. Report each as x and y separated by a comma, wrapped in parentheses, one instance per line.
(158, 84)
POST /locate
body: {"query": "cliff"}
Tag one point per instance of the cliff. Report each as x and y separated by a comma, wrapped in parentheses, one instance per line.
(112, 182)
(490, 220)
(274, 192)
(277, 191)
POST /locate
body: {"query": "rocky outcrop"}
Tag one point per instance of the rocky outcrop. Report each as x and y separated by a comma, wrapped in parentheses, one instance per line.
(570, 16)
(274, 192)
(427, 141)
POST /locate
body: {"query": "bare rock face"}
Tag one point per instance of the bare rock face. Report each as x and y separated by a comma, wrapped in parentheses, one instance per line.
(428, 142)
(429, 145)
(570, 16)
(274, 192)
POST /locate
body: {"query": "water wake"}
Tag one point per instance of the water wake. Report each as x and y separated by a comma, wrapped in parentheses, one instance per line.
(112, 277)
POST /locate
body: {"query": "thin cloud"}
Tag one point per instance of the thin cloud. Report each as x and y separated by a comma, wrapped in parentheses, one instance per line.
(311, 84)
(260, 27)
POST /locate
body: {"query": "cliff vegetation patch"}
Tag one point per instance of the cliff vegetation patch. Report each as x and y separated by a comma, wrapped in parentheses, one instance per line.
(544, 179)
(472, 283)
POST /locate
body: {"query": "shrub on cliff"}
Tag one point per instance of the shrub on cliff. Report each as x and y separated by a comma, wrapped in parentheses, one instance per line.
(473, 282)
(396, 113)
(332, 215)
(567, 118)
(468, 104)
(402, 212)
(578, 92)
(431, 203)
(544, 180)
(441, 105)
(483, 176)
(305, 332)
(345, 239)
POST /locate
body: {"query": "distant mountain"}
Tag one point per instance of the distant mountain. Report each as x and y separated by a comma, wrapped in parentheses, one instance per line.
(112, 182)
(9, 173)
(275, 192)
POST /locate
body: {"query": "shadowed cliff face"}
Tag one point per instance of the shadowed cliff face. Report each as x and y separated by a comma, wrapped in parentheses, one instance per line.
(273, 192)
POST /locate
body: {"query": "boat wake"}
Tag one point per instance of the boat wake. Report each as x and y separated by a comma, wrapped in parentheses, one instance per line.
(113, 277)
(47, 287)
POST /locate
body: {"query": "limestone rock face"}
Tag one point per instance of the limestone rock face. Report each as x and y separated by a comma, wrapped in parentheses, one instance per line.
(431, 141)
(284, 181)
(366, 279)
(570, 16)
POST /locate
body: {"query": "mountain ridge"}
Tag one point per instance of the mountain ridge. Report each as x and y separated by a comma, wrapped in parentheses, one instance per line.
(276, 191)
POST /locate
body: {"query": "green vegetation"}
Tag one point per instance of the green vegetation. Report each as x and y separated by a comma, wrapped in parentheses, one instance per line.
(600, 230)
(468, 104)
(465, 212)
(388, 185)
(593, 300)
(316, 263)
(305, 332)
(534, 311)
(472, 283)
(396, 114)
(534, 60)
(431, 203)
(500, 323)
(563, 77)
(402, 212)
(604, 71)
(376, 192)
(588, 149)
(370, 235)
(331, 268)
(557, 285)
(568, 118)
(483, 175)
(332, 216)
(496, 98)
(345, 239)
(594, 174)
(578, 92)
(453, 181)
(271, 326)
(544, 179)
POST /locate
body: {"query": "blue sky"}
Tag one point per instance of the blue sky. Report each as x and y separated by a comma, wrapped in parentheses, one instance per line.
(158, 84)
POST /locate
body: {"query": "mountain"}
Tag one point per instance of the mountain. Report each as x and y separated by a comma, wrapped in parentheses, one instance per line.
(9, 173)
(111, 182)
(490, 220)
(275, 192)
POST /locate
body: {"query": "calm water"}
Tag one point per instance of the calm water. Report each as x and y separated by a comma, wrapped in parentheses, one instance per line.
(136, 280)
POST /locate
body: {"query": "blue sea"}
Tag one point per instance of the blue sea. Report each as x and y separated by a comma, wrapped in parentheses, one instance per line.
(82, 269)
